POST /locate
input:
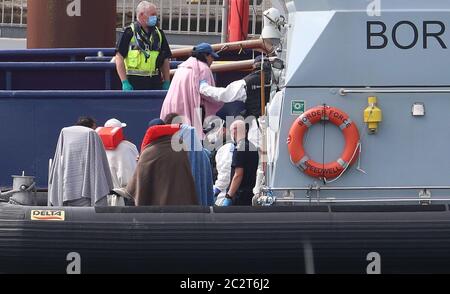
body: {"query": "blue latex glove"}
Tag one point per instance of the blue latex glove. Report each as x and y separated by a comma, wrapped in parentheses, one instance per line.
(227, 202)
(216, 191)
(165, 85)
(126, 86)
(203, 82)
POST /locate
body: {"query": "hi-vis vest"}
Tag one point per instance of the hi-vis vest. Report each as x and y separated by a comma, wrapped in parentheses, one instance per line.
(142, 61)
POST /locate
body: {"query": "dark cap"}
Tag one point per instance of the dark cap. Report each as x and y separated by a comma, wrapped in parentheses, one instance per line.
(205, 48)
(156, 122)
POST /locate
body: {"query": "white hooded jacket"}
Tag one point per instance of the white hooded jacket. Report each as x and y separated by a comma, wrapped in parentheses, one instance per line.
(224, 157)
(122, 163)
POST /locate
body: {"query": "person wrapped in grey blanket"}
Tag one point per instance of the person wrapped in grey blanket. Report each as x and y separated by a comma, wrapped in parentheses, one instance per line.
(79, 174)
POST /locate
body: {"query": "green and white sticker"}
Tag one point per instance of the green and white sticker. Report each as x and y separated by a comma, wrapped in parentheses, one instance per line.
(297, 107)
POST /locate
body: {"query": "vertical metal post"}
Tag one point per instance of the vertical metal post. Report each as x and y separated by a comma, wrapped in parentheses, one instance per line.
(21, 11)
(170, 14)
(198, 16)
(263, 87)
(123, 13)
(12, 11)
(161, 14)
(133, 10)
(180, 9)
(254, 17)
(263, 148)
(207, 15)
(189, 16)
(3, 12)
(216, 27)
(225, 7)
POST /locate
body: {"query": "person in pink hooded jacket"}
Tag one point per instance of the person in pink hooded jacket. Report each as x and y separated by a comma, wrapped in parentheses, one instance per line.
(184, 96)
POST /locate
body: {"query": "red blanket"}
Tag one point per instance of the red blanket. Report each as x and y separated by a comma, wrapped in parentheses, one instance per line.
(156, 132)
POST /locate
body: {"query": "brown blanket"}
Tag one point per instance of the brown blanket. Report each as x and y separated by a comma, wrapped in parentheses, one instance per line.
(163, 176)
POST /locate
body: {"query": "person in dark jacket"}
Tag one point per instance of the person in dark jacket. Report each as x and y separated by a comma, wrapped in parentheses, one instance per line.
(243, 167)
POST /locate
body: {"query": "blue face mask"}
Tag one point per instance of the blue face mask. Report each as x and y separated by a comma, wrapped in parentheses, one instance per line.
(152, 20)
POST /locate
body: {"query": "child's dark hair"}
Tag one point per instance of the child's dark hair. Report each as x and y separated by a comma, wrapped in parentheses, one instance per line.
(86, 121)
(170, 118)
(200, 56)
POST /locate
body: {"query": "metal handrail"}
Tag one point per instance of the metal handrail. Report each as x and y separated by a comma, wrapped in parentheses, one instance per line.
(13, 12)
(195, 16)
(358, 200)
(176, 16)
(327, 188)
(344, 92)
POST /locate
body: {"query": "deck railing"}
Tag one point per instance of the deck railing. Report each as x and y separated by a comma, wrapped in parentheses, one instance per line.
(13, 12)
(176, 16)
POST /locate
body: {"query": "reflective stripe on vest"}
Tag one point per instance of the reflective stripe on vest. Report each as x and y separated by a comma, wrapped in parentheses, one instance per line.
(142, 61)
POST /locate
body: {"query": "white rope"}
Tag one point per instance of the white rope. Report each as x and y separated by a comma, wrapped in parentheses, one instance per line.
(358, 146)
(358, 168)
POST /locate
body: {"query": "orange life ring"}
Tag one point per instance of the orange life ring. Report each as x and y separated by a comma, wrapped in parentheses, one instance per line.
(297, 151)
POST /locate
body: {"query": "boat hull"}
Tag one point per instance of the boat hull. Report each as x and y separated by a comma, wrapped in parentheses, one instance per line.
(248, 240)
